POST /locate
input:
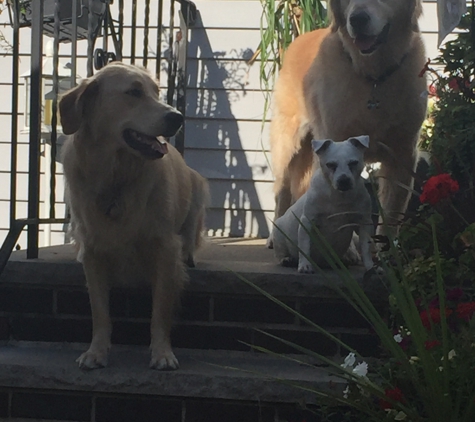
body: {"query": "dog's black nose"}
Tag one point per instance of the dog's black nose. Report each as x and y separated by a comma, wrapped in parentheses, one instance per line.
(344, 183)
(173, 120)
(359, 21)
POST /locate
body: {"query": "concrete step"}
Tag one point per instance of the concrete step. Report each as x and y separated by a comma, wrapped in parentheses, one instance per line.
(46, 300)
(42, 381)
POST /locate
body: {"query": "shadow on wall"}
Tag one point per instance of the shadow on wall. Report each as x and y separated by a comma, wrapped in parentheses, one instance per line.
(235, 206)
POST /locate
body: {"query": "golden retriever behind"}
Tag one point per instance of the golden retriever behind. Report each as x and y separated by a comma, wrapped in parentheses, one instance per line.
(358, 77)
(137, 209)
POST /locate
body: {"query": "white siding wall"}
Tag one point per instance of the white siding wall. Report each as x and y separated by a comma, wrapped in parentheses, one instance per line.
(223, 117)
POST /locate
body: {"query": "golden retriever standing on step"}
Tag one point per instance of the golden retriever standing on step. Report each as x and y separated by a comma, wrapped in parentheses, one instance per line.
(137, 209)
(359, 76)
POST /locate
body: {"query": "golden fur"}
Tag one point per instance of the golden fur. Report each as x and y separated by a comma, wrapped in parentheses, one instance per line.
(136, 218)
(323, 91)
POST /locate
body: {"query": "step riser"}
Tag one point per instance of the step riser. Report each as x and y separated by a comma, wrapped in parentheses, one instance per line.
(205, 321)
(85, 407)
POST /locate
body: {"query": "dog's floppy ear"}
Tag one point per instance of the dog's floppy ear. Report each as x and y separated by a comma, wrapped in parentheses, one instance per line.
(337, 18)
(416, 8)
(73, 105)
(321, 146)
(360, 141)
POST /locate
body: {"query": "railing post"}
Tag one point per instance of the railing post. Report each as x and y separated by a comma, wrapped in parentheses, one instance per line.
(35, 126)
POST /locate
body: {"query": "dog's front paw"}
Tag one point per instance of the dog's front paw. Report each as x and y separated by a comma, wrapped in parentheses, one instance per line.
(288, 261)
(270, 242)
(93, 359)
(306, 268)
(164, 361)
(376, 270)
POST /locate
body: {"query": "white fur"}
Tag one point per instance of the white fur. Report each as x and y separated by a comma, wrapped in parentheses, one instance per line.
(337, 203)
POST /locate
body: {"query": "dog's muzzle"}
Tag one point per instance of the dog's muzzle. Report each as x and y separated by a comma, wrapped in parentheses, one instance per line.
(173, 122)
(344, 183)
(366, 43)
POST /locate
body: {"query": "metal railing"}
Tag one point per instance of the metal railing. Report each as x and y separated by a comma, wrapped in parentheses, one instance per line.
(74, 22)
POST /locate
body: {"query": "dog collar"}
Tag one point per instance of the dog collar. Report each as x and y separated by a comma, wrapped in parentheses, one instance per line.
(373, 102)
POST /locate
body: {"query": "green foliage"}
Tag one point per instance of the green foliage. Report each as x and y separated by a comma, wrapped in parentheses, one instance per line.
(281, 22)
(452, 137)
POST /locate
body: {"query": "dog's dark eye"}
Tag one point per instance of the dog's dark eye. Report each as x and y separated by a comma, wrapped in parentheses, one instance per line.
(353, 163)
(134, 92)
(332, 166)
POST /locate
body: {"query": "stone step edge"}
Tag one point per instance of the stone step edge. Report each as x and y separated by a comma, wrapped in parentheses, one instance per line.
(203, 374)
(207, 278)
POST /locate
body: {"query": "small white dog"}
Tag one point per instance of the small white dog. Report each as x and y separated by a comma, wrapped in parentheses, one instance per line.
(337, 203)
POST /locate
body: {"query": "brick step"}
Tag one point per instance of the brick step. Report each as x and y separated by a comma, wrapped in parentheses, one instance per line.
(41, 381)
(46, 300)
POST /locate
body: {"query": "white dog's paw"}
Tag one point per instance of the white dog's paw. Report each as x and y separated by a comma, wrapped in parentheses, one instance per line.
(375, 270)
(306, 268)
(351, 256)
(164, 361)
(270, 242)
(93, 359)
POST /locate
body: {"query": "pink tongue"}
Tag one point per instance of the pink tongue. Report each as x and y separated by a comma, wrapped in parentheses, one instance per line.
(161, 148)
(364, 43)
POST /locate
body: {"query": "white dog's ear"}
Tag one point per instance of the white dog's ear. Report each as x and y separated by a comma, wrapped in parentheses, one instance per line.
(360, 141)
(321, 146)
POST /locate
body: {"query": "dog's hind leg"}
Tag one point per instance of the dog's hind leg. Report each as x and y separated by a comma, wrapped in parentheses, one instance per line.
(395, 182)
(98, 287)
(191, 233)
(169, 278)
(301, 169)
(192, 229)
(292, 167)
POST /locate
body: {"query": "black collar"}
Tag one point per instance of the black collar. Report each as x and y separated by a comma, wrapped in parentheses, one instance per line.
(386, 74)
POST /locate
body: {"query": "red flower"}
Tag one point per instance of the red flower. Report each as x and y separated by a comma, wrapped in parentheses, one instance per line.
(466, 310)
(394, 394)
(437, 188)
(430, 344)
(432, 315)
(433, 90)
(455, 294)
(454, 84)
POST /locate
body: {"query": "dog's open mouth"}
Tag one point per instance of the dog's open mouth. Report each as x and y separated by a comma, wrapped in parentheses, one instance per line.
(151, 147)
(369, 43)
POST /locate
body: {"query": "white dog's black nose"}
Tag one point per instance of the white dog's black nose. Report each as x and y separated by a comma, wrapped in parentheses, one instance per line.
(359, 21)
(343, 183)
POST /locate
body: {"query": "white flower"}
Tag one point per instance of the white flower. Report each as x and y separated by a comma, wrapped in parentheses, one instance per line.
(400, 416)
(452, 354)
(414, 359)
(349, 360)
(346, 391)
(361, 369)
(398, 338)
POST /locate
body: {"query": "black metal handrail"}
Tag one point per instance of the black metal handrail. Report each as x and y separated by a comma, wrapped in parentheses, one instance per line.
(72, 21)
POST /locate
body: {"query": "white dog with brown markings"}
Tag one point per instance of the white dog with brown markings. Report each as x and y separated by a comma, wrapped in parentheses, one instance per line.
(337, 204)
(137, 210)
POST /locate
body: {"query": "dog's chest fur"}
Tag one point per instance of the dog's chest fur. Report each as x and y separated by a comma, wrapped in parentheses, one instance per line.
(400, 111)
(108, 205)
